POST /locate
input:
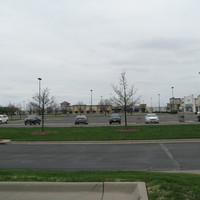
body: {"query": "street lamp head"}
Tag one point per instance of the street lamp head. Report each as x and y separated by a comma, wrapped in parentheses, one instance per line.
(39, 79)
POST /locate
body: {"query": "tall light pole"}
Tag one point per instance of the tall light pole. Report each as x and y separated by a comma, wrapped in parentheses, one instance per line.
(198, 97)
(159, 102)
(91, 100)
(101, 105)
(172, 98)
(39, 94)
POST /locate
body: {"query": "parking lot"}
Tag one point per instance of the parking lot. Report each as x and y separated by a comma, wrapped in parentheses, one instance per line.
(102, 120)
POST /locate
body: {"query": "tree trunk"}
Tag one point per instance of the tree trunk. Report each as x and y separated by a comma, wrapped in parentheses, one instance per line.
(43, 117)
(125, 117)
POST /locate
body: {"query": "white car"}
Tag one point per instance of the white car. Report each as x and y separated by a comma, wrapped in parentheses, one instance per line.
(151, 118)
(4, 119)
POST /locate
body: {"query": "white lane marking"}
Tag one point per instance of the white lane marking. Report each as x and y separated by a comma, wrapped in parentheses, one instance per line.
(166, 150)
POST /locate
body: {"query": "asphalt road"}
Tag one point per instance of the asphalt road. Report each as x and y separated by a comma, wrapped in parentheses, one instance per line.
(144, 156)
(101, 120)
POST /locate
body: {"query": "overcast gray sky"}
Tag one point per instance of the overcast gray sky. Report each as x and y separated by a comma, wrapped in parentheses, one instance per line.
(80, 45)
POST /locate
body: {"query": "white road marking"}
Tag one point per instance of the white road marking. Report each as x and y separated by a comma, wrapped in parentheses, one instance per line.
(166, 150)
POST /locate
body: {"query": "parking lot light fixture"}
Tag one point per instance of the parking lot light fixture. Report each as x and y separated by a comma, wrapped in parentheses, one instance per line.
(198, 97)
(39, 94)
(159, 102)
(91, 100)
(172, 99)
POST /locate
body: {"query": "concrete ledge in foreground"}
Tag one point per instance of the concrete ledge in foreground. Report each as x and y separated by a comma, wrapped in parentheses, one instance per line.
(4, 141)
(69, 191)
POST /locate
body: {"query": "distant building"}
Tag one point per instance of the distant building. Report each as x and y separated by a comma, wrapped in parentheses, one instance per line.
(197, 104)
(86, 109)
(64, 107)
(185, 104)
(157, 109)
(174, 105)
(189, 104)
(142, 107)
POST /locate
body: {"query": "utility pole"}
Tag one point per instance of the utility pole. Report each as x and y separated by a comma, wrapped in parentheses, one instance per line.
(91, 100)
(39, 94)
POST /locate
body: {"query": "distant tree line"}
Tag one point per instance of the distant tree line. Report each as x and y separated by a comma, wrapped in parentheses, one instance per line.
(9, 110)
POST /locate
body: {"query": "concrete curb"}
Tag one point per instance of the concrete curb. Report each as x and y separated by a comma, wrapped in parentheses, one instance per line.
(108, 141)
(68, 191)
(4, 141)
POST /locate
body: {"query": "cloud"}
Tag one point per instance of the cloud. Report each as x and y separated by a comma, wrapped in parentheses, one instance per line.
(75, 46)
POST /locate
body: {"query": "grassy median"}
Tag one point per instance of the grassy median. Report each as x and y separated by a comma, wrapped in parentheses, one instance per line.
(165, 186)
(84, 133)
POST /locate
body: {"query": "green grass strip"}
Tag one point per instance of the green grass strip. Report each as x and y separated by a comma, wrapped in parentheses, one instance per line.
(100, 133)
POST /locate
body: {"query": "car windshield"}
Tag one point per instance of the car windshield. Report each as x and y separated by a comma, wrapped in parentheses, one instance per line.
(151, 115)
(31, 116)
(81, 116)
(115, 115)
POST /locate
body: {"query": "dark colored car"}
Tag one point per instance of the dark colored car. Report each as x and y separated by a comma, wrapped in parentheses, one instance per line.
(115, 118)
(81, 119)
(32, 119)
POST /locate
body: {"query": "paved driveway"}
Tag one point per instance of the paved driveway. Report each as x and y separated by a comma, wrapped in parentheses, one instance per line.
(144, 156)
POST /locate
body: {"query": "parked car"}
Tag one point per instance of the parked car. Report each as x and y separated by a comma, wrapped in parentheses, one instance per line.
(4, 119)
(151, 118)
(115, 118)
(198, 116)
(81, 119)
(32, 119)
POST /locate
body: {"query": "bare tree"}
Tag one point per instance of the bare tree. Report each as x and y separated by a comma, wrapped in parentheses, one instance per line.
(44, 100)
(55, 108)
(33, 107)
(104, 105)
(124, 96)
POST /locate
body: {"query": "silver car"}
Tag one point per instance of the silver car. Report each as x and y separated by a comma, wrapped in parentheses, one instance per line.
(151, 118)
(81, 119)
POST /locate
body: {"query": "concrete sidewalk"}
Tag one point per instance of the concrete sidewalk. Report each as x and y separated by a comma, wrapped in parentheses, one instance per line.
(70, 191)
